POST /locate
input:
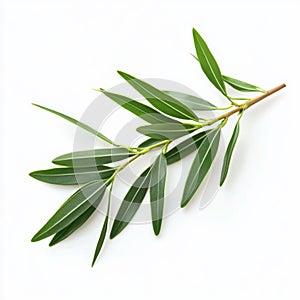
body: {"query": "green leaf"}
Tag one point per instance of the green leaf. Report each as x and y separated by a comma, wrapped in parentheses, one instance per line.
(70, 176)
(79, 124)
(77, 223)
(191, 101)
(101, 240)
(157, 191)
(141, 110)
(149, 142)
(165, 131)
(91, 158)
(229, 151)
(103, 230)
(201, 165)
(242, 86)
(208, 63)
(185, 148)
(75, 206)
(160, 100)
(131, 203)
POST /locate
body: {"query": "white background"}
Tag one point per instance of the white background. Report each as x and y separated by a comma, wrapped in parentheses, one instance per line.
(245, 245)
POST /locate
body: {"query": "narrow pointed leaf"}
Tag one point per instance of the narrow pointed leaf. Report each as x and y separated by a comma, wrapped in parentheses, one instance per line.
(160, 100)
(185, 148)
(77, 223)
(141, 110)
(91, 158)
(229, 151)
(157, 191)
(208, 63)
(79, 124)
(201, 165)
(75, 206)
(70, 176)
(192, 102)
(131, 203)
(168, 131)
(242, 86)
(103, 230)
(101, 240)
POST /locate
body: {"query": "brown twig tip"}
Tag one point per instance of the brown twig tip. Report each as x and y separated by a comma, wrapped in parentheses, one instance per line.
(265, 95)
(246, 105)
(276, 89)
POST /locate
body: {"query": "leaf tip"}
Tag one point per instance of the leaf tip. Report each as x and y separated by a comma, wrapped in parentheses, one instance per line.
(32, 174)
(184, 203)
(112, 235)
(37, 105)
(56, 160)
(93, 262)
(156, 231)
(140, 129)
(221, 181)
(35, 238)
(193, 55)
(53, 242)
(126, 76)
(195, 32)
(120, 72)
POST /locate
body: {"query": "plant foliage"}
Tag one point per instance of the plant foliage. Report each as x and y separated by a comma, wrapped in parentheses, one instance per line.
(170, 115)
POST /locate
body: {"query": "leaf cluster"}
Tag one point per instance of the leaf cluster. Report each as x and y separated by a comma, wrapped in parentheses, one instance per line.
(170, 115)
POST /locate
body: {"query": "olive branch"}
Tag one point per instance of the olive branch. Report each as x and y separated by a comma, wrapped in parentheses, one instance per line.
(171, 115)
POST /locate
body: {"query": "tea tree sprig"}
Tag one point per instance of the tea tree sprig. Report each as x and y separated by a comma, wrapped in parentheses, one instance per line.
(169, 115)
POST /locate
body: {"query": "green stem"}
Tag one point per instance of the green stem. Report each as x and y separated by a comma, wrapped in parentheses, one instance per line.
(137, 155)
(240, 98)
(231, 101)
(165, 147)
(224, 108)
